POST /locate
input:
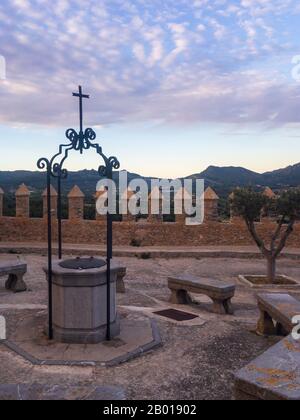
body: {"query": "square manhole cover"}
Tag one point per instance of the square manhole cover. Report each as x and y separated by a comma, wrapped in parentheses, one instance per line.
(176, 315)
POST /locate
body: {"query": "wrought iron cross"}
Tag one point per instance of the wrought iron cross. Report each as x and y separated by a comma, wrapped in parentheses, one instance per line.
(81, 96)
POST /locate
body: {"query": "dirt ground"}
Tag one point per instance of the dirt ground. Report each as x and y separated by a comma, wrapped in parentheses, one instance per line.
(195, 361)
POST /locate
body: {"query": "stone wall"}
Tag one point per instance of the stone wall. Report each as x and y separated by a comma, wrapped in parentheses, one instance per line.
(146, 232)
(17, 229)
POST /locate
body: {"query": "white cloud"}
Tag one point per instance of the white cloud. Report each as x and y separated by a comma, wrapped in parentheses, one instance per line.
(157, 52)
(177, 61)
(139, 52)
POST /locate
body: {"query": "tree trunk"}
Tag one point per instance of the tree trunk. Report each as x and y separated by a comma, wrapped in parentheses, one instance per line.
(271, 276)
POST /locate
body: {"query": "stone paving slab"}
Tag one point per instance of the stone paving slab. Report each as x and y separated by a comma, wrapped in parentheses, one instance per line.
(273, 376)
(139, 334)
(34, 392)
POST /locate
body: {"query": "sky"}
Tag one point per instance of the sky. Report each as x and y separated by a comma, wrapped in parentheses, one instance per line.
(175, 86)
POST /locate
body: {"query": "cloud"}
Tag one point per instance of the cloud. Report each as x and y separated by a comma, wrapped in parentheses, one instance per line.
(139, 52)
(180, 62)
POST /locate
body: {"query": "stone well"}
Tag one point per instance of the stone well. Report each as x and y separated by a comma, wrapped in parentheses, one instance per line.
(80, 301)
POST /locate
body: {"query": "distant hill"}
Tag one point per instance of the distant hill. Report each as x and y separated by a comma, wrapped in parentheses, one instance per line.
(222, 179)
(289, 176)
(229, 176)
(36, 181)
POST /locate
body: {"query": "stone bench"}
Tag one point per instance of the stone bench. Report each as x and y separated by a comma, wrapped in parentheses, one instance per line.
(220, 293)
(275, 375)
(15, 271)
(276, 313)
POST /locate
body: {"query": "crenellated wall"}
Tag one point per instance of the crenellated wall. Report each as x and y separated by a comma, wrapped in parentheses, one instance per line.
(17, 229)
(151, 232)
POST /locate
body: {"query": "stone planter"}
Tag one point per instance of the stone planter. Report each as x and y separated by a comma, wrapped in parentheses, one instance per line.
(80, 302)
(291, 284)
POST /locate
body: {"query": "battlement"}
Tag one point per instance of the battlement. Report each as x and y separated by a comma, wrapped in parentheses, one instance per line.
(151, 231)
(76, 203)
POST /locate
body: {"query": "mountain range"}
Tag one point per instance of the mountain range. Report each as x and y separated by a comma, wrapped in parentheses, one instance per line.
(225, 179)
(221, 179)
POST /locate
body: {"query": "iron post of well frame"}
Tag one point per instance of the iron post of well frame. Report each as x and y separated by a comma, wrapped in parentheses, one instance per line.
(49, 226)
(55, 168)
(109, 242)
(59, 217)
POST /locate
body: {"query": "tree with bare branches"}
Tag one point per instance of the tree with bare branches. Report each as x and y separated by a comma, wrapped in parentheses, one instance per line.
(250, 204)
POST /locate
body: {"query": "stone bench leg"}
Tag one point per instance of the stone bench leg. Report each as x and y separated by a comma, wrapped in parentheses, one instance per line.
(280, 330)
(9, 282)
(223, 307)
(228, 307)
(242, 396)
(120, 283)
(219, 307)
(265, 325)
(180, 297)
(120, 280)
(16, 283)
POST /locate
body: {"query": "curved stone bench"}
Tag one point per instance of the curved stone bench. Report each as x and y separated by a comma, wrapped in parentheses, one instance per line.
(276, 313)
(15, 271)
(220, 292)
(275, 375)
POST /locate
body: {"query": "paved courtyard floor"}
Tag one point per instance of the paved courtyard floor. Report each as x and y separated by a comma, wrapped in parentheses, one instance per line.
(198, 358)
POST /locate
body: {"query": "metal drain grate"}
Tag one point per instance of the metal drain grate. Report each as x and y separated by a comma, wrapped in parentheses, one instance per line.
(176, 315)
